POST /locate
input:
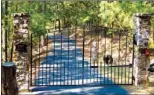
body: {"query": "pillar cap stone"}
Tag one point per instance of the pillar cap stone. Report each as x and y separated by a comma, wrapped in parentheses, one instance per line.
(8, 64)
(142, 15)
(21, 14)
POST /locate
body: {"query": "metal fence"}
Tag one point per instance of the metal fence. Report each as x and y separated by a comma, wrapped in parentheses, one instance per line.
(82, 55)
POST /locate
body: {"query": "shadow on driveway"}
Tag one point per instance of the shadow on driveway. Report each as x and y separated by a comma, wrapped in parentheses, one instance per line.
(64, 65)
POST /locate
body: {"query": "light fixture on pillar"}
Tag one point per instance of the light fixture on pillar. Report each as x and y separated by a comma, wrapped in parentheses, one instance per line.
(147, 52)
(21, 47)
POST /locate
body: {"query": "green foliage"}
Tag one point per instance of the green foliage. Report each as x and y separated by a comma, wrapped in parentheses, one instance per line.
(116, 14)
(119, 14)
(38, 24)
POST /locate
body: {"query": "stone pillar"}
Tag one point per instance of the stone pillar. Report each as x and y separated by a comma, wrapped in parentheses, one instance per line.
(21, 41)
(142, 34)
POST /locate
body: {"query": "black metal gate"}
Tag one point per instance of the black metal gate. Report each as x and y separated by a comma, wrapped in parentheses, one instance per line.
(82, 55)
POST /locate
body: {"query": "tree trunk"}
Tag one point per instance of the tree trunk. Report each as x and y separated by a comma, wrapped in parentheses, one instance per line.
(6, 23)
(9, 83)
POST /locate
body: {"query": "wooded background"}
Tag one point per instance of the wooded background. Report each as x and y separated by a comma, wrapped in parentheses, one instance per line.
(115, 14)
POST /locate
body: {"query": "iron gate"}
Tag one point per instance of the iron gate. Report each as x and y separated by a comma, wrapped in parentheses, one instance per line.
(82, 55)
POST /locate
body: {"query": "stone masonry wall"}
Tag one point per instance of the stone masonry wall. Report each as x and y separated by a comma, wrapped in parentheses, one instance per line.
(21, 41)
(142, 34)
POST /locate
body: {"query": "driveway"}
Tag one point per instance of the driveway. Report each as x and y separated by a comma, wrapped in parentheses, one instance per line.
(64, 66)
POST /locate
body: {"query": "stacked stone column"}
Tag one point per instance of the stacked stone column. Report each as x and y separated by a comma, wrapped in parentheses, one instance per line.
(142, 35)
(21, 43)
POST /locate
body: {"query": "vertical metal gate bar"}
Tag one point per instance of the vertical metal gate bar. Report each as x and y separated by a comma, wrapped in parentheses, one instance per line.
(69, 53)
(78, 67)
(97, 52)
(133, 60)
(35, 67)
(121, 62)
(40, 61)
(111, 55)
(47, 57)
(128, 71)
(64, 71)
(75, 51)
(118, 56)
(60, 65)
(83, 56)
(126, 58)
(107, 69)
(68, 56)
(46, 67)
(105, 64)
(93, 55)
(31, 61)
(52, 45)
(89, 60)
(87, 65)
(72, 56)
(59, 60)
(46, 63)
(90, 47)
(121, 68)
(58, 40)
(69, 29)
(104, 55)
(54, 55)
(86, 78)
(96, 63)
(115, 68)
(78, 72)
(88, 68)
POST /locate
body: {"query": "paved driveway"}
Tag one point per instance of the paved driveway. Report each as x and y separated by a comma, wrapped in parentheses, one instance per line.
(64, 65)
